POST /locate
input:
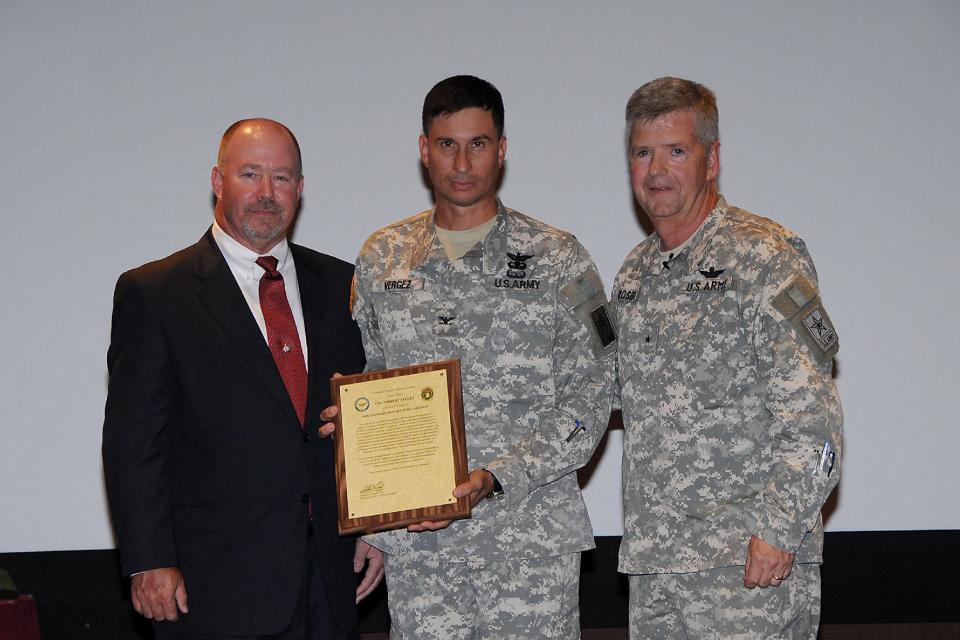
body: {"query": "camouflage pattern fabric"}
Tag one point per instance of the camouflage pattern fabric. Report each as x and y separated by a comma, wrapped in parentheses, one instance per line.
(508, 599)
(522, 312)
(732, 419)
(713, 604)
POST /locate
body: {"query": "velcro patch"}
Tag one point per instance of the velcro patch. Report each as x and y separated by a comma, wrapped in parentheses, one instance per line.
(400, 285)
(602, 326)
(818, 325)
(800, 305)
(585, 287)
(586, 299)
(707, 285)
(531, 285)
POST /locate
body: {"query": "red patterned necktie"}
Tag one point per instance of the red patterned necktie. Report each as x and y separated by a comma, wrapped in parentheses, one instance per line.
(282, 336)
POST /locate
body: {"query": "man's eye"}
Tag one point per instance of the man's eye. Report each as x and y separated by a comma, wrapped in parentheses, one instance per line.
(280, 178)
(446, 144)
(479, 144)
(677, 151)
(248, 174)
(641, 153)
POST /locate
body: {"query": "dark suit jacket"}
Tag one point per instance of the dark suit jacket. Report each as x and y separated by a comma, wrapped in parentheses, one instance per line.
(206, 465)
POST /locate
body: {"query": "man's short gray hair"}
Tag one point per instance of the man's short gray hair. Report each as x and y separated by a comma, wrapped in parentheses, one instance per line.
(666, 95)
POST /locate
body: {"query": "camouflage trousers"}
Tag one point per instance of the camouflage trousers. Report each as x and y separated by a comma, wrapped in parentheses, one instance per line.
(714, 604)
(501, 599)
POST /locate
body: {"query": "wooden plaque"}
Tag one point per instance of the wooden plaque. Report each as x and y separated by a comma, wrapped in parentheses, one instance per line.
(401, 447)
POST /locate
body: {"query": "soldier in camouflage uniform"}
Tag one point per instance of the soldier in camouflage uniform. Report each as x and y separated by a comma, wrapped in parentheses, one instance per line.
(732, 420)
(521, 305)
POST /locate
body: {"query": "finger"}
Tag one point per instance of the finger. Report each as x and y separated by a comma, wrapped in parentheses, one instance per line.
(371, 578)
(428, 525)
(473, 484)
(359, 555)
(135, 599)
(768, 575)
(749, 579)
(152, 609)
(788, 568)
(180, 595)
(329, 413)
(764, 572)
(169, 609)
(465, 489)
(337, 375)
(326, 429)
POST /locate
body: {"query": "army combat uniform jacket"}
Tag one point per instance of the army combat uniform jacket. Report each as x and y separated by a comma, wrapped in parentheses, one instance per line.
(732, 419)
(525, 313)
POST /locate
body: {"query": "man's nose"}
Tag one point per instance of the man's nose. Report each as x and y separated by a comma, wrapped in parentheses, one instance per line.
(657, 164)
(461, 161)
(265, 188)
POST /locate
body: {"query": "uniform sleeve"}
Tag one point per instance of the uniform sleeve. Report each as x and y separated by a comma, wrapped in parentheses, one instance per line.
(795, 343)
(141, 395)
(567, 433)
(366, 318)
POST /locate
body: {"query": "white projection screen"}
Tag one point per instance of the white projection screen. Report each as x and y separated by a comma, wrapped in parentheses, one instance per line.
(838, 119)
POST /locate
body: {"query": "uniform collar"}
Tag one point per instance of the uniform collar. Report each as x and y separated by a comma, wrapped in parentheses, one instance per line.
(693, 252)
(428, 249)
(495, 244)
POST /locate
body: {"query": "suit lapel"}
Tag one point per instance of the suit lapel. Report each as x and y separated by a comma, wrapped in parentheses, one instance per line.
(222, 297)
(314, 294)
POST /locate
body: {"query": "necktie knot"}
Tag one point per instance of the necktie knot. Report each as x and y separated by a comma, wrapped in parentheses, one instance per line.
(268, 264)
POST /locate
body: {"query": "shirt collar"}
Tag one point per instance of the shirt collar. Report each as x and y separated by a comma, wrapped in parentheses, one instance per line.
(241, 259)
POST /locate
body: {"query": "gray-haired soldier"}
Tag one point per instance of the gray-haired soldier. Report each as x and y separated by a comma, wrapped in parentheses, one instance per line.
(732, 419)
(521, 305)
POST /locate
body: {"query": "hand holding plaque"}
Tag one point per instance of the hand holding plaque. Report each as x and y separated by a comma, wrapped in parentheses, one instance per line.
(401, 447)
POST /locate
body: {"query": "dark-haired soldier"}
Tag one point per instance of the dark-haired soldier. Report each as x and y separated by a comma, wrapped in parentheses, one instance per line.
(732, 420)
(522, 307)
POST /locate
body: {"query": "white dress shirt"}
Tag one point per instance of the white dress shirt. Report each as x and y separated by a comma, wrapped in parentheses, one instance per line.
(243, 264)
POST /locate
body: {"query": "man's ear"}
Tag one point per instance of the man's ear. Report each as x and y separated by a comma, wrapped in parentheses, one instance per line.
(216, 181)
(424, 151)
(713, 161)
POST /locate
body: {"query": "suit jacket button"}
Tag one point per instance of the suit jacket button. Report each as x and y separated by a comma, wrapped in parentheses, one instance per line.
(306, 437)
(304, 498)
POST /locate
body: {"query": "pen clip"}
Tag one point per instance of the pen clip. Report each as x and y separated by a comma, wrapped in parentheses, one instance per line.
(578, 427)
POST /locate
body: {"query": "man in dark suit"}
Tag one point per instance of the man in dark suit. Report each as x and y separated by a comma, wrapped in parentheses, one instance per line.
(219, 363)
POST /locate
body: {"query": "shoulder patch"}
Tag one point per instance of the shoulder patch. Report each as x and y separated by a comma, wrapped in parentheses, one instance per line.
(587, 301)
(800, 305)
